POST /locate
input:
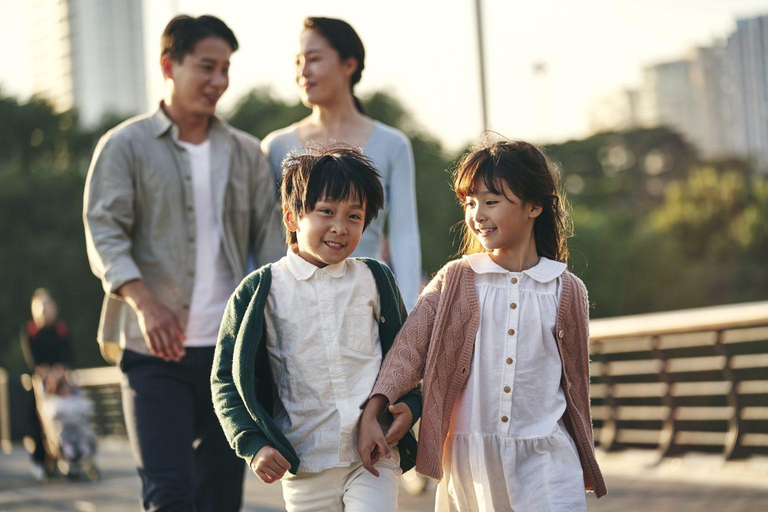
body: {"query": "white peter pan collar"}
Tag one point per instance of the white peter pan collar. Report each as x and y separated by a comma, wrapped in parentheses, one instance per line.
(544, 271)
(303, 270)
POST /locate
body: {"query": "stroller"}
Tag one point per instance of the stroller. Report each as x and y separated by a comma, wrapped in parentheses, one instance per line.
(64, 412)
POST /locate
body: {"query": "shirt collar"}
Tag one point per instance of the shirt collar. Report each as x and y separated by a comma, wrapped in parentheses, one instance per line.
(544, 271)
(303, 270)
(163, 123)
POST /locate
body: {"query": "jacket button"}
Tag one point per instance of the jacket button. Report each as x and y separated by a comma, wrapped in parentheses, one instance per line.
(510, 360)
(511, 332)
(504, 419)
(507, 389)
(383, 319)
(513, 306)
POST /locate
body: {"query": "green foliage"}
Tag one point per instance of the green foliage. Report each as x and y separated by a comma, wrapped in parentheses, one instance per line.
(259, 112)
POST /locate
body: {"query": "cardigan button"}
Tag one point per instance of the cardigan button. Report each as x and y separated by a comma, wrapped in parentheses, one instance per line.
(383, 319)
(560, 334)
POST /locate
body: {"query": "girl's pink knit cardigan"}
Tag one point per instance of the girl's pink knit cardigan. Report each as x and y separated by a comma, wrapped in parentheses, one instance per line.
(436, 345)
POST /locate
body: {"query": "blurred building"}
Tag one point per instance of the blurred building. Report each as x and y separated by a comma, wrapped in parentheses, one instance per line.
(748, 60)
(615, 111)
(666, 100)
(716, 97)
(692, 97)
(89, 55)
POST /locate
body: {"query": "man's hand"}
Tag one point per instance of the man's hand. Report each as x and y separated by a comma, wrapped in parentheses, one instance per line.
(269, 465)
(158, 323)
(402, 423)
(371, 443)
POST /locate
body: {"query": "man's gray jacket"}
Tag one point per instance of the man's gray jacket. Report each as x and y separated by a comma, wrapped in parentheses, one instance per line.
(139, 217)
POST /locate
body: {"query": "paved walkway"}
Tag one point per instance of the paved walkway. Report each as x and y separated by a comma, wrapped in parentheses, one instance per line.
(118, 491)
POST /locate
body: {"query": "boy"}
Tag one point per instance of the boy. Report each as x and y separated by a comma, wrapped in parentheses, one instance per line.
(302, 342)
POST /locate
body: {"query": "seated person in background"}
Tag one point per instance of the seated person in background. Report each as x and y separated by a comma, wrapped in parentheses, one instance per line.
(45, 342)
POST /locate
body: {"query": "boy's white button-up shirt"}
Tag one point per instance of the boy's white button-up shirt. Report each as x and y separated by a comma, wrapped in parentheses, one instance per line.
(325, 355)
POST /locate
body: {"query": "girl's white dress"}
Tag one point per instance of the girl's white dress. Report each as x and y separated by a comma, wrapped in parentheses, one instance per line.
(507, 447)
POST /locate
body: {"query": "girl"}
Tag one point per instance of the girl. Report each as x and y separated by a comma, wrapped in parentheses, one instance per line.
(329, 64)
(500, 339)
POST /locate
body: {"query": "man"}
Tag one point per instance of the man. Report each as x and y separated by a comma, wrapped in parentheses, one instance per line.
(174, 202)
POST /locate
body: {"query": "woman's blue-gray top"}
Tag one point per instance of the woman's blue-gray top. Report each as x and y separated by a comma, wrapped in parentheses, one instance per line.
(390, 150)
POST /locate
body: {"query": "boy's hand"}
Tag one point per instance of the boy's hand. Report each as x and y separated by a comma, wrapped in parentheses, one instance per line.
(269, 465)
(401, 424)
(371, 443)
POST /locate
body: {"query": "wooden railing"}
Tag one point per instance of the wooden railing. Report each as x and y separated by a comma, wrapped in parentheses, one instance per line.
(683, 381)
(675, 382)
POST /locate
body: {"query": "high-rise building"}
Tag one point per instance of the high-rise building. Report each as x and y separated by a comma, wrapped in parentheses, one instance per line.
(748, 60)
(710, 89)
(666, 98)
(89, 55)
(692, 96)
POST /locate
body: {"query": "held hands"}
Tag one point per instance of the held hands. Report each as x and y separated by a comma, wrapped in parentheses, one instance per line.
(269, 465)
(402, 423)
(371, 442)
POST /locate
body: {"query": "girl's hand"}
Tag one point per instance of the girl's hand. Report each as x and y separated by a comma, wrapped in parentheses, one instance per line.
(269, 464)
(401, 424)
(371, 443)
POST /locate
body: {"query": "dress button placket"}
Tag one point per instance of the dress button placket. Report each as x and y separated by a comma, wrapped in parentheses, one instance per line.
(513, 321)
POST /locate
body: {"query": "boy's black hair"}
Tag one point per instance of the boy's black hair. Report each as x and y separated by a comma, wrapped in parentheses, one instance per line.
(183, 32)
(337, 173)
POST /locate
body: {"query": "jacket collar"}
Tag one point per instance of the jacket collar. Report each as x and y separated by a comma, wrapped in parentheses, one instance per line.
(163, 124)
(303, 270)
(544, 271)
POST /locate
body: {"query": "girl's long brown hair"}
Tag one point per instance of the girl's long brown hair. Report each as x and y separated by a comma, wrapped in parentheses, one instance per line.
(530, 175)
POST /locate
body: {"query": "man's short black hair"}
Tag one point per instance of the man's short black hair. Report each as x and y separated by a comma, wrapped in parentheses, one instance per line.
(183, 32)
(337, 173)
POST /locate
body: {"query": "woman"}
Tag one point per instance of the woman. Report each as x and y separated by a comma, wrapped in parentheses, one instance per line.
(328, 66)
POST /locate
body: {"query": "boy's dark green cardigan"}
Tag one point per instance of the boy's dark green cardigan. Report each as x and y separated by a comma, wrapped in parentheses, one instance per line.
(241, 379)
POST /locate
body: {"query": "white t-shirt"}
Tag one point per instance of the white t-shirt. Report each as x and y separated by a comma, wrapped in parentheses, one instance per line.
(214, 280)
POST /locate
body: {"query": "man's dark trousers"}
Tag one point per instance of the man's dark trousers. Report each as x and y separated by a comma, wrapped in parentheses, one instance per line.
(183, 458)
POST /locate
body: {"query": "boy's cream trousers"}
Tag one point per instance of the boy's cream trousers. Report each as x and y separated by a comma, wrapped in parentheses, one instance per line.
(350, 488)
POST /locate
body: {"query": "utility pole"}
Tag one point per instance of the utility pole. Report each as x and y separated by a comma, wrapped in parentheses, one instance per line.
(481, 61)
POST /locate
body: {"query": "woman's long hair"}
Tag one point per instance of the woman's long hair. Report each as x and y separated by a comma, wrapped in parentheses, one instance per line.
(342, 38)
(529, 174)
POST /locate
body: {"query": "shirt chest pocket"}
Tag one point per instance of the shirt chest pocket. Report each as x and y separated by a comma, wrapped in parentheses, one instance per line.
(358, 333)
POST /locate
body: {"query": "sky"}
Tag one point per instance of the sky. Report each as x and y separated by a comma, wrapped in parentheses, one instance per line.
(425, 53)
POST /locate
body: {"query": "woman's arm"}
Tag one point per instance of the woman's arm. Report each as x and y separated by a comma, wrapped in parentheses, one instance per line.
(404, 240)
